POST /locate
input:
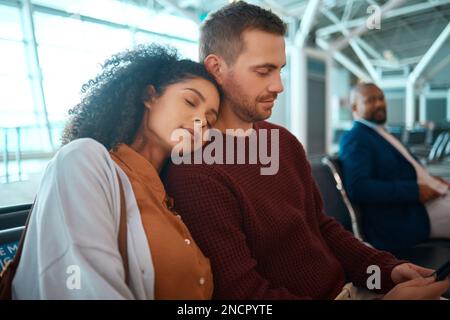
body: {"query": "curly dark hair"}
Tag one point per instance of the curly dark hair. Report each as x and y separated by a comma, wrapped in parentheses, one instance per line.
(112, 107)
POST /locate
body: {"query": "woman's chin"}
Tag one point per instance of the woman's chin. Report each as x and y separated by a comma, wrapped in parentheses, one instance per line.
(188, 147)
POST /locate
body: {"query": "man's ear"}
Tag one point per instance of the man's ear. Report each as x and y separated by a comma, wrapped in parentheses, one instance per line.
(216, 66)
(149, 96)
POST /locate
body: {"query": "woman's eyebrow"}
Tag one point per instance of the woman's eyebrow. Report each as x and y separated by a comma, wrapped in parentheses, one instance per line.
(197, 92)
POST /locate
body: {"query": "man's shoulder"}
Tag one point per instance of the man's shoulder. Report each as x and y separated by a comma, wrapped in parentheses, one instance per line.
(174, 173)
(270, 126)
(362, 131)
(284, 133)
(355, 132)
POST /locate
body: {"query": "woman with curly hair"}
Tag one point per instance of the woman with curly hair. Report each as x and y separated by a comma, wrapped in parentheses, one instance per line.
(114, 146)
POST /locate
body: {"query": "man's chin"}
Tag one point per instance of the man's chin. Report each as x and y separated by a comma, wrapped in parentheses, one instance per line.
(379, 122)
(263, 115)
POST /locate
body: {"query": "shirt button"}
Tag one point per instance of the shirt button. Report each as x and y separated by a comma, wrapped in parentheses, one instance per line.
(201, 281)
(188, 242)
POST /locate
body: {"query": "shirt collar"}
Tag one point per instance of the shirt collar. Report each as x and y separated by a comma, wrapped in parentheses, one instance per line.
(140, 169)
(371, 124)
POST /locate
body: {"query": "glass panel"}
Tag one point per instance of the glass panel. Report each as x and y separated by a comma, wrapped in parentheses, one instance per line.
(67, 59)
(12, 58)
(16, 102)
(172, 25)
(10, 27)
(108, 10)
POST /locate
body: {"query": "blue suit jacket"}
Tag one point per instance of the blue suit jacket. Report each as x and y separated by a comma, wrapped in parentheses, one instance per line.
(383, 183)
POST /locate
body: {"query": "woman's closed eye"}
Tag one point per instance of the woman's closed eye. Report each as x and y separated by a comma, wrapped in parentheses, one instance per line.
(189, 102)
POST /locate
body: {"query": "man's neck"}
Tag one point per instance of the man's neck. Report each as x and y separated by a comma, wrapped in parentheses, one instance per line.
(229, 120)
(370, 124)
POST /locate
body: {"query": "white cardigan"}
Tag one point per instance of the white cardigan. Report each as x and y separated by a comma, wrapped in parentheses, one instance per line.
(71, 246)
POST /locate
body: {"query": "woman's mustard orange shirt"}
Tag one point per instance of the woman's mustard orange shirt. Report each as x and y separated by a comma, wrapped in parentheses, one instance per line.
(181, 269)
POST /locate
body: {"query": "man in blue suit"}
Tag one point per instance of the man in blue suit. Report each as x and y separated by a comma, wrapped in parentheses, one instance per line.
(401, 203)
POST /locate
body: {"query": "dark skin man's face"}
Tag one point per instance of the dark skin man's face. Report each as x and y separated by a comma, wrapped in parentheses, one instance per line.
(371, 105)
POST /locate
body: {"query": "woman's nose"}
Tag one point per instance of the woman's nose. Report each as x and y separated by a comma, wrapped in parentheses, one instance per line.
(199, 122)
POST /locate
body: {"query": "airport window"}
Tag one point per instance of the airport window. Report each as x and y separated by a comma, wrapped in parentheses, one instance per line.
(43, 67)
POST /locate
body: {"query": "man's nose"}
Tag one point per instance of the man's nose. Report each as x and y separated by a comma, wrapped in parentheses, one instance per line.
(277, 84)
(381, 104)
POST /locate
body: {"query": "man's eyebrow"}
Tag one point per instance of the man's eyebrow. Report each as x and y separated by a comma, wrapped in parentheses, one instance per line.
(197, 92)
(268, 65)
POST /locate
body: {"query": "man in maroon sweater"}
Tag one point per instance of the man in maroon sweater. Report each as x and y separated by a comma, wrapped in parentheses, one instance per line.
(266, 234)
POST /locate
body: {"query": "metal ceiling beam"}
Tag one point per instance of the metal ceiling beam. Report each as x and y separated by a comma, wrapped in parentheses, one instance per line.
(436, 69)
(347, 10)
(345, 61)
(325, 31)
(184, 12)
(298, 94)
(420, 67)
(365, 61)
(369, 49)
(396, 64)
(297, 10)
(277, 8)
(342, 42)
(355, 46)
(307, 22)
(34, 66)
(440, 40)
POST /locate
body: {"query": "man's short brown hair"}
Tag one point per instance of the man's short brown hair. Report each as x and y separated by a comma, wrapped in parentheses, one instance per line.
(222, 30)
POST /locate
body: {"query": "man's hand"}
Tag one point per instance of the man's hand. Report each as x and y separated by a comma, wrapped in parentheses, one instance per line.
(408, 271)
(426, 193)
(418, 289)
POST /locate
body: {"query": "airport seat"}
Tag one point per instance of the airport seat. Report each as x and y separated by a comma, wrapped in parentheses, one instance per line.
(416, 136)
(437, 131)
(335, 200)
(397, 132)
(12, 224)
(14, 216)
(440, 148)
(328, 174)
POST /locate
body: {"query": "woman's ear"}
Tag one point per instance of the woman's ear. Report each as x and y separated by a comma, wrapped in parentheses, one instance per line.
(149, 96)
(215, 65)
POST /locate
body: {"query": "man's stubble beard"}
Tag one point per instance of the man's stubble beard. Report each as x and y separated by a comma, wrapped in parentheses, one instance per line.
(239, 102)
(382, 121)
